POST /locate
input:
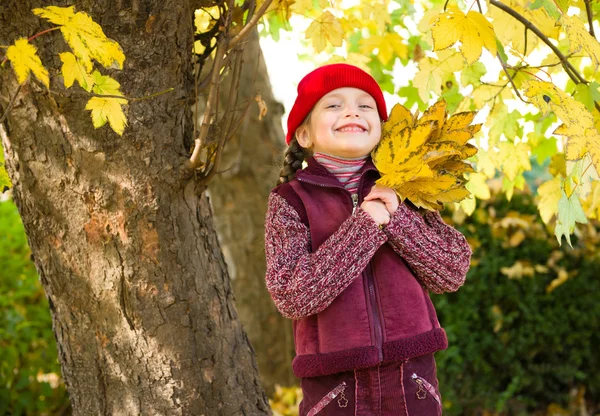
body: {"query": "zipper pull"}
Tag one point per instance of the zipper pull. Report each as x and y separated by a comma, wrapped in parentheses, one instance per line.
(354, 202)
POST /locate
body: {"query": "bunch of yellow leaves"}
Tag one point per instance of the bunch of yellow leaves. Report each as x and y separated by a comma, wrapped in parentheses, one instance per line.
(422, 159)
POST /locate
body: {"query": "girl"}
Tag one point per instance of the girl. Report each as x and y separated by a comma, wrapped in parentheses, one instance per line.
(350, 264)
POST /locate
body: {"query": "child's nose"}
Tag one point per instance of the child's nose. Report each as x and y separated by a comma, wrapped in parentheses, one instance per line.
(352, 112)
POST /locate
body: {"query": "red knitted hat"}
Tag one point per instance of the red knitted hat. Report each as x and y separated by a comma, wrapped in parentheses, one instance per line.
(325, 79)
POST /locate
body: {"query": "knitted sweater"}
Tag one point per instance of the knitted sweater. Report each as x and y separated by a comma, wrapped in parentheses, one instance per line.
(303, 283)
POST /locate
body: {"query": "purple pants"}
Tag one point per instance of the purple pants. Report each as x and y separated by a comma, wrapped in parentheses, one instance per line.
(407, 388)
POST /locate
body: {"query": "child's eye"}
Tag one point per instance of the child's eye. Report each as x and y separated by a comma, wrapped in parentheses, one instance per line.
(366, 105)
(332, 105)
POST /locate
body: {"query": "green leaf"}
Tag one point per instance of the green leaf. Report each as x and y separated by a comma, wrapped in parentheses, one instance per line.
(106, 85)
(546, 147)
(549, 5)
(472, 74)
(501, 51)
(569, 213)
(450, 92)
(509, 186)
(587, 94)
(411, 93)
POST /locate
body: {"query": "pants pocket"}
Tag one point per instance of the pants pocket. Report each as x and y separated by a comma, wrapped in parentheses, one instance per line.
(331, 395)
(421, 389)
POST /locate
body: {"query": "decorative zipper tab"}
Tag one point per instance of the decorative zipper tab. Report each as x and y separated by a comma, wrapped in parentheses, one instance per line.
(338, 391)
(354, 202)
(424, 387)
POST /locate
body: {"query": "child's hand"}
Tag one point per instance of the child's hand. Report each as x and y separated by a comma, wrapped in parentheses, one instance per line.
(377, 210)
(386, 195)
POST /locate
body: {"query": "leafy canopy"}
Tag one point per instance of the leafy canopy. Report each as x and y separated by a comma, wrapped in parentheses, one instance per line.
(529, 67)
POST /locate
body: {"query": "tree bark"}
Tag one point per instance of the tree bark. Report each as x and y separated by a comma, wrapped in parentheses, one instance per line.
(124, 244)
(238, 195)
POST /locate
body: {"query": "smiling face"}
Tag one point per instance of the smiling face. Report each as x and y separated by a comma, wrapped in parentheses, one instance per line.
(343, 123)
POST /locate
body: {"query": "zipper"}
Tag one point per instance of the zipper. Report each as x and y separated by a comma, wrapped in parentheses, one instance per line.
(424, 387)
(375, 312)
(370, 281)
(354, 202)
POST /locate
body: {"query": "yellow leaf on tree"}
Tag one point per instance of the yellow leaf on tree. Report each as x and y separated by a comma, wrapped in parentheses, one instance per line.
(580, 39)
(477, 186)
(325, 28)
(591, 206)
(514, 159)
(473, 31)
(512, 30)
(377, 12)
(389, 45)
(578, 122)
(550, 194)
(432, 71)
(24, 59)
(84, 36)
(108, 109)
(205, 18)
(73, 70)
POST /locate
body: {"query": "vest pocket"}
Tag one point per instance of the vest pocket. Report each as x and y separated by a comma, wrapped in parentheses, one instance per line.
(420, 383)
(424, 387)
(342, 401)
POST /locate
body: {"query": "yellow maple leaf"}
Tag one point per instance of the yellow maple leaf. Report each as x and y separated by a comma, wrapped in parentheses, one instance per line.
(578, 123)
(473, 31)
(388, 46)
(205, 18)
(377, 12)
(301, 7)
(325, 28)
(108, 109)
(550, 194)
(57, 15)
(24, 59)
(591, 205)
(431, 72)
(85, 37)
(580, 39)
(478, 186)
(416, 164)
(72, 70)
(514, 159)
(512, 30)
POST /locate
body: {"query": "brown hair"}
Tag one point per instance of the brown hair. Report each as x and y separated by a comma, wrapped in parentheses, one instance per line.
(293, 157)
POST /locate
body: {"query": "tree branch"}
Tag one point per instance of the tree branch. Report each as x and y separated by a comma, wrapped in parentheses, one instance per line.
(569, 69)
(10, 104)
(246, 30)
(510, 78)
(588, 9)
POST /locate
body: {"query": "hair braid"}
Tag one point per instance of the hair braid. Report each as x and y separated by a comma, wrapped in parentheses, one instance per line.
(292, 161)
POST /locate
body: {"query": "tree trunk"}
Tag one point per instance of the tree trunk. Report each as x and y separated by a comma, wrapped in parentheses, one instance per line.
(238, 196)
(124, 244)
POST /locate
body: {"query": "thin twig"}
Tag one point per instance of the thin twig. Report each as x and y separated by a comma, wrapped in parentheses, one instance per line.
(569, 69)
(246, 29)
(10, 104)
(194, 160)
(510, 78)
(588, 9)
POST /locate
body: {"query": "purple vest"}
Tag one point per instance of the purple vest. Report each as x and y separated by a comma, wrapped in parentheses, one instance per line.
(385, 315)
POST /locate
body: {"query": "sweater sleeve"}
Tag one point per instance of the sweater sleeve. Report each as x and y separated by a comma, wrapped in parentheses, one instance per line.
(438, 254)
(302, 283)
